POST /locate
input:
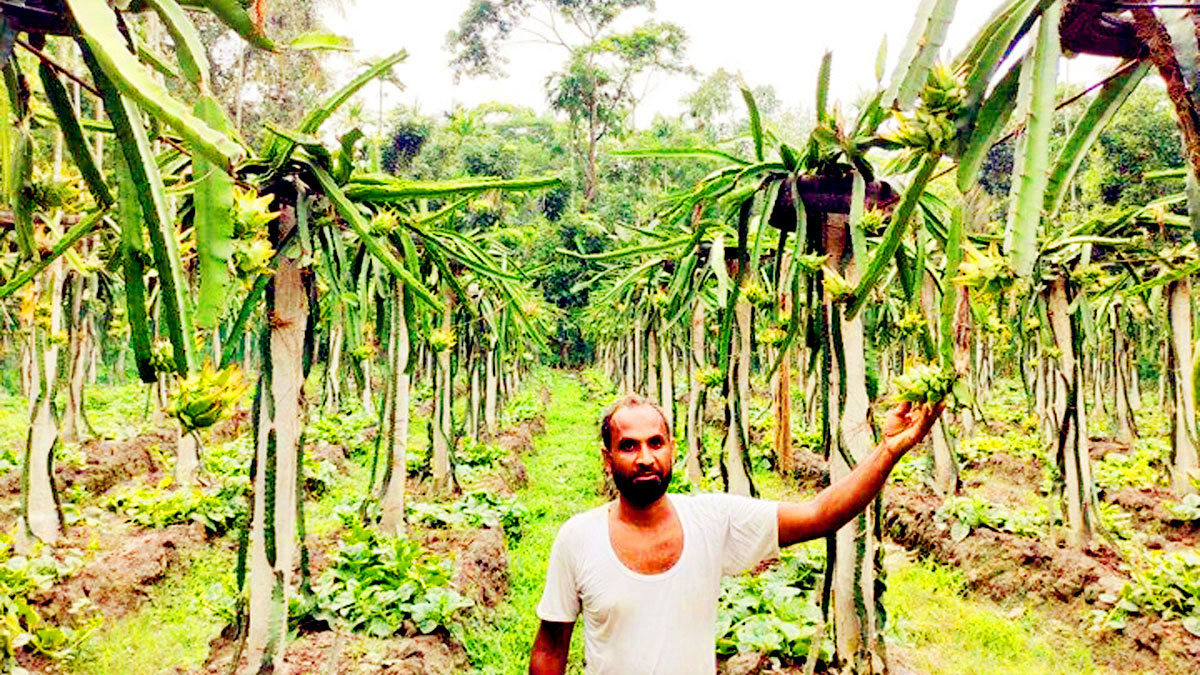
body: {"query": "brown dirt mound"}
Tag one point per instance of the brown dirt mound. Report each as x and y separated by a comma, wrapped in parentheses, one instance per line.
(1147, 507)
(330, 652)
(116, 581)
(1178, 650)
(997, 564)
(231, 427)
(113, 462)
(1018, 470)
(108, 462)
(480, 561)
(328, 452)
(1099, 447)
(515, 440)
(812, 471)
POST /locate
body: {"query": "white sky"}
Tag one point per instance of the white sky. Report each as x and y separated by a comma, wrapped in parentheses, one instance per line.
(771, 42)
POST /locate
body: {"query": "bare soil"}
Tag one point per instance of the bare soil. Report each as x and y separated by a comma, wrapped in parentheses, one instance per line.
(109, 462)
(1149, 512)
(480, 561)
(330, 652)
(116, 581)
(1004, 566)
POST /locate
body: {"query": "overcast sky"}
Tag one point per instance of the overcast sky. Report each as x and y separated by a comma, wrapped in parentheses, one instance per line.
(771, 42)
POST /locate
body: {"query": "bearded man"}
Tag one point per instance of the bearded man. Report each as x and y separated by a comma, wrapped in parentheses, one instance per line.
(645, 570)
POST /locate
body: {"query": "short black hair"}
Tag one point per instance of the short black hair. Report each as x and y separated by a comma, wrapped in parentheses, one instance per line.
(629, 401)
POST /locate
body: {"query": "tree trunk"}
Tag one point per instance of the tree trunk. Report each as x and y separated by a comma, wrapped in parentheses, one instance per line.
(74, 422)
(945, 468)
(628, 377)
(781, 390)
(187, 458)
(666, 375)
(695, 413)
(736, 462)
(367, 399)
(1123, 420)
(852, 441)
(1069, 410)
(392, 504)
(41, 519)
(652, 358)
(443, 427)
(333, 369)
(492, 387)
(274, 542)
(639, 361)
(473, 420)
(1183, 432)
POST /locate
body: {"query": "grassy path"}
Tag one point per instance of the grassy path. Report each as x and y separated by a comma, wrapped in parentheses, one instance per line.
(564, 470)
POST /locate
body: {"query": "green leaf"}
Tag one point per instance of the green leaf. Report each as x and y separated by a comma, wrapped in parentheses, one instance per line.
(160, 225)
(959, 531)
(894, 235)
(233, 14)
(73, 138)
(72, 236)
(1031, 166)
(823, 74)
(987, 127)
(388, 189)
(189, 49)
(212, 200)
(994, 42)
(1101, 111)
(380, 252)
(756, 130)
(129, 215)
(280, 149)
(680, 153)
(925, 39)
(98, 24)
(881, 59)
(319, 40)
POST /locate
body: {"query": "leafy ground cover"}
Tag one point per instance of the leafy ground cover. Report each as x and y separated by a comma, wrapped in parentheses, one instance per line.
(938, 621)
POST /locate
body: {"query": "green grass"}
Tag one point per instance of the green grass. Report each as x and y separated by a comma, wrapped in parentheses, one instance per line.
(171, 629)
(564, 470)
(945, 632)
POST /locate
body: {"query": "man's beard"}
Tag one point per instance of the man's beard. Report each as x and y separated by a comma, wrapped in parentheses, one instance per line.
(642, 493)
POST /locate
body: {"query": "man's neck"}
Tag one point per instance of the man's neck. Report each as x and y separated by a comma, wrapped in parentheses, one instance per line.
(650, 515)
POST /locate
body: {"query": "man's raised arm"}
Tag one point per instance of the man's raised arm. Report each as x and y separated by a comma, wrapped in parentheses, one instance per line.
(904, 427)
(551, 648)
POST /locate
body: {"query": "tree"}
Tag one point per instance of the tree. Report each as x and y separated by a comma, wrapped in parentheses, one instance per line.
(597, 87)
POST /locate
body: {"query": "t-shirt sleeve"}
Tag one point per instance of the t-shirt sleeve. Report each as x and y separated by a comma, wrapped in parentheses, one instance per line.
(560, 599)
(752, 532)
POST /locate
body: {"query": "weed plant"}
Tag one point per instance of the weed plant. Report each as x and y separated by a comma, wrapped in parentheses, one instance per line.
(376, 584)
(474, 509)
(969, 513)
(1144, 467)
(1166, 585)
(596, 383)
(219, 509)
(774, 613)
(22, 628)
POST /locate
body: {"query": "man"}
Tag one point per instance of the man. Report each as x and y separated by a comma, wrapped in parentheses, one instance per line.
(645, 570)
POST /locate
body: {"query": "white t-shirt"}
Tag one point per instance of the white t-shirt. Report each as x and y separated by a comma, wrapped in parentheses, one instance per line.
(660, 624)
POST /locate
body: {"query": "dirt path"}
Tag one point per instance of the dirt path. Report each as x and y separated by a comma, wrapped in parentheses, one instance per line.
(564, 476)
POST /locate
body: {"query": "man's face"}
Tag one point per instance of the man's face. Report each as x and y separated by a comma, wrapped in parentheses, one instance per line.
(640, 455)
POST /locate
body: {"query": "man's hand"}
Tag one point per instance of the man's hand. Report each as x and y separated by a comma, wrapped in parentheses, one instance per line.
(906, 424)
